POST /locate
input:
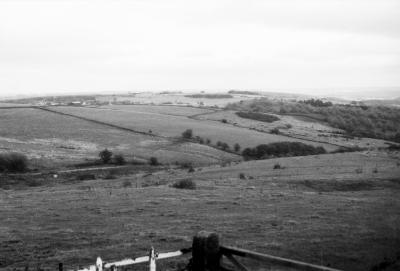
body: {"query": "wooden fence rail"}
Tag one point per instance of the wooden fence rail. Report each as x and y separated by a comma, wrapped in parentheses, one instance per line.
(207, 255)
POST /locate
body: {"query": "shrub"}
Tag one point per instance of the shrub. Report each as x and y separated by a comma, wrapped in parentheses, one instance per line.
(186, 165)
(86, 176)
(242, 176)
(275, 131)
(105, 156)
(237, 147)
(119, 159)
(208, 141)
(187, 134)
(222, 145)
(224, 121)
(277, 166)
(153, 161)
(126, 183)
(185, 184)
(191, 169)
(110, 176)
(13, 162)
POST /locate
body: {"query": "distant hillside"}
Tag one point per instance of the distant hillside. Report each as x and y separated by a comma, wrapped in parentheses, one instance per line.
(56, 99)
(362, 121)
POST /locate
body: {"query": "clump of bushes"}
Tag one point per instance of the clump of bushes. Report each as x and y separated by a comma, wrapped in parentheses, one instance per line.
(277, 166)
(222, 145)
(185, 184)
(258, 116)
(86, 176)
(275, 131)
(13, 162)
(188, 134)
(281, 149)
(242, 176)
(105, 156)
(237, 147)
(153, 161)
(119, 159)
(126, 184)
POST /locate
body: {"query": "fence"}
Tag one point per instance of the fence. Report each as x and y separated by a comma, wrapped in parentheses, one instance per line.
(207, 255)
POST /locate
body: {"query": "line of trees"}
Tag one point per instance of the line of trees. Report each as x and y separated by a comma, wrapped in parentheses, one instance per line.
(281, 149)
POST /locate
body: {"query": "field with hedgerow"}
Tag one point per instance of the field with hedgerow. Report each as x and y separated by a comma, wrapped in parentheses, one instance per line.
(52, 140)
(77, 182)
(166, 125)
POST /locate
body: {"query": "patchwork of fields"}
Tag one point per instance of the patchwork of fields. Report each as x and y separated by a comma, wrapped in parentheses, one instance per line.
(339, 210)
(54, 140)
(164, 124)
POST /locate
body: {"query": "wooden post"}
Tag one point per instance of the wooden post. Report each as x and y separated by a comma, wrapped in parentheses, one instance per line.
(152, 260)
(99, 264)
(206, 252)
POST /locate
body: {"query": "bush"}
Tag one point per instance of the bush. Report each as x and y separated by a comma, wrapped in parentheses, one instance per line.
(185, 184)
(191, 169)
(208, 141)
(275, 131)
(105, 156)
(222, 145)
(224, 121)
(237, 147)
(126, 183)
(13, 162)
(277, 166)
(85, 177)
(153, 161)
(119, 159)
(188, 134)
(242, 176)
(110, 176)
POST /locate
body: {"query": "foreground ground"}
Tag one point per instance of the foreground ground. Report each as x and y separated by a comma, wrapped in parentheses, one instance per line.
(340, 210)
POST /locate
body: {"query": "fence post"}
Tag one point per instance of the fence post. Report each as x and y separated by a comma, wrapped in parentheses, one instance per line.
(152, 260)
(206, 254)
(99, 264)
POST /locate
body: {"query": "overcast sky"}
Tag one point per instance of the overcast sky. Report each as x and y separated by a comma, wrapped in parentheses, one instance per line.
(58, 46)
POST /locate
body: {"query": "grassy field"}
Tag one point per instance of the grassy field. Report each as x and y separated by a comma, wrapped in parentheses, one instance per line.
(339, 210)
(172, 126)
(299, 127)
(160, 109)
(54, 140)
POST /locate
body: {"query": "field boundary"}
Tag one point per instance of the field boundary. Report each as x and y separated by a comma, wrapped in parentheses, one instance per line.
(129, 129)
(262, 131)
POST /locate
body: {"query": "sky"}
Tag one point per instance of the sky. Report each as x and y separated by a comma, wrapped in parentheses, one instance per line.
(55, 47)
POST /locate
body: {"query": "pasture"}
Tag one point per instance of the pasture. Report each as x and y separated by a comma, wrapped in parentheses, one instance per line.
(319, 209)
(53, 140)
(172, 126)
(297, 127)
